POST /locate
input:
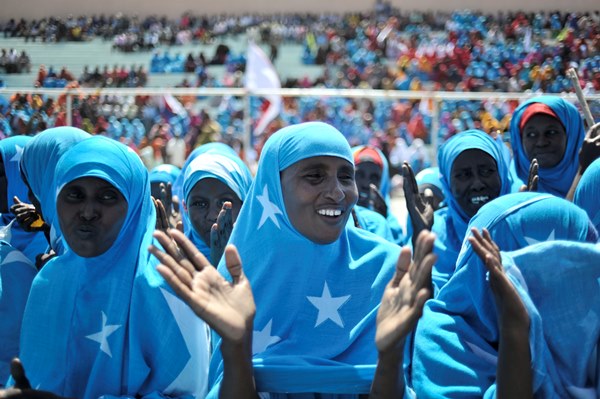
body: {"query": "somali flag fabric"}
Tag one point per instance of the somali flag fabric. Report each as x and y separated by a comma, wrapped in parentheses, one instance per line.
(229, 169)
(40, 157)
(110, 325)
(587, 194)
(450, 223)
(31, 244)
(456, 341)
(16, 274)
(558, 179)
(316, 304)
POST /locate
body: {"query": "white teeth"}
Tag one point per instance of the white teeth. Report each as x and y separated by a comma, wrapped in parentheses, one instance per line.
(480, 200)
(329, 212)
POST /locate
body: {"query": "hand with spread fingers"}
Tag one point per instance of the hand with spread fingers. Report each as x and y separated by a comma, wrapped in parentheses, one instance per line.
(220, 232)
(227, 307)
(419, 209)
(376, 201)
(28, 217)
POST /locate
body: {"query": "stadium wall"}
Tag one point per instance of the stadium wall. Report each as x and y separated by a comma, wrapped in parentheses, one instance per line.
(174, 8)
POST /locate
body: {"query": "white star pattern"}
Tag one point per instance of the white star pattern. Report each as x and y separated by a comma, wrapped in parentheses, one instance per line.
(328, 306)
(261, 340)
(270, 210)
(18, 154)
(101, 337)
(531, 240)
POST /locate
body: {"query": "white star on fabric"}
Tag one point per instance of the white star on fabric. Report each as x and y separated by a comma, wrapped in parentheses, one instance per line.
(102, 336)
(328, 306)
(191, 328)
(18, 154)
(270, 210)
(532, 241)
(261, 340)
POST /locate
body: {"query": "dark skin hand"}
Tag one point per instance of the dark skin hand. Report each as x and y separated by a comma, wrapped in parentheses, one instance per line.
(220, 233)
(22, 388)
(590, 151)
(419, 208)
(42, 259)
(514, 377)
(533, 178)
(376, 201)
(162, 220)
(27, 217)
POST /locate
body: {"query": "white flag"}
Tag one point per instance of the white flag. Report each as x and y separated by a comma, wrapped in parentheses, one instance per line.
(260, 74)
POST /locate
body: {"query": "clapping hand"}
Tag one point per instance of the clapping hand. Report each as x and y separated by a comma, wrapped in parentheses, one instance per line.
(590, 149)
(376, 201)
(419, 209)
(220, 232)
(532, 178)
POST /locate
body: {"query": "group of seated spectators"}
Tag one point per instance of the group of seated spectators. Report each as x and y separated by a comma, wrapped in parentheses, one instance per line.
(118, 76)
(13, 61)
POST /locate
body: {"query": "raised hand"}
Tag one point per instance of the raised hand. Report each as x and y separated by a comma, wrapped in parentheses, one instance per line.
(590, 149)
(227, 307)
(376, 201)
(162, 220)
(420, 210)
(27, 216)
(405, 295)
(220, 232)
(532, 178)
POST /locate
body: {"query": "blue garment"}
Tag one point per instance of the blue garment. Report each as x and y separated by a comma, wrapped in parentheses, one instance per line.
(587, 194)
(450, 224)
(374, 222)
(31, 244)
(164, 173)
(223, 166)
(110, 325)
(16, 274)
(298, 347)
(558, 179)
(40, 157)
(456, 340)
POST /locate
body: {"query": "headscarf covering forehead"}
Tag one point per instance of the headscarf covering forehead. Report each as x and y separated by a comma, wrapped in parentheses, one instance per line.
(164, 173)
(558, 179)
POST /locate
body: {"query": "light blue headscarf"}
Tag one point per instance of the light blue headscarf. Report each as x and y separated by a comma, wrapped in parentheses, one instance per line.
(372, 221)
(456, 341)
(298, 345)
(39, 161)
(31, 244)
(223, 166)
(16, 274)
(587, 195)
(165, 173)
(450, 223)
(109, 325)
(558, 179)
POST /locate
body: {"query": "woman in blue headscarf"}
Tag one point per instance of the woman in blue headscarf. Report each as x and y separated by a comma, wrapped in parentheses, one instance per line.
(317, 284)
(211, 180)
(550, 130)
(162, 179)
(472, 172)
(588, 193)
(457, 341)
(99, 320)
(12, 185)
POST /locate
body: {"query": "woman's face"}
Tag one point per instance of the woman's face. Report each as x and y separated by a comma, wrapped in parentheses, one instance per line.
(91, 212)
(366, 173)
(319, 194)
(205, 201)
(545, 139)
(474, 180)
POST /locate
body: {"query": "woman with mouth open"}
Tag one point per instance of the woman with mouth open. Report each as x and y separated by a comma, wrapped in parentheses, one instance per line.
(307, 327)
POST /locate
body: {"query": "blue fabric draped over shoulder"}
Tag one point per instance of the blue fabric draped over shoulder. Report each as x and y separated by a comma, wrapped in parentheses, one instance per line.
(38, 163)
(558, 179)
(16, 274)
(587, 193)
(372, 221)
(109, 325)
(316, 304)
(164, 173)
(450, 223)
(31, 244)
(456, 341)
(224, 166)
(385, 187)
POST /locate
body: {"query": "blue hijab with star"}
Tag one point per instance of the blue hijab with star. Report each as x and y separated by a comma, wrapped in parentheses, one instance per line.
(587, 193)
(450, 223)
(316, 304)
(456, 341)
(38, 164)
(558, 179)
(31, 244)
(229, 169)
(109, 325)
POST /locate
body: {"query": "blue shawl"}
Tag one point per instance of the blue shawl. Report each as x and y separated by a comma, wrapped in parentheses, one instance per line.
(587, 195)
(558, 179)
(456, 340)
(109, 325)
(316, 304)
